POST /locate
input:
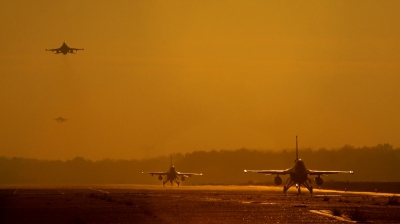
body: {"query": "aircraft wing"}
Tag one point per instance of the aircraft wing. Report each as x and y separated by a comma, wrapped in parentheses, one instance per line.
(156, 173)
(76, 49)
(283, 172)
(57, 49)
(189, 174)
(320, 172)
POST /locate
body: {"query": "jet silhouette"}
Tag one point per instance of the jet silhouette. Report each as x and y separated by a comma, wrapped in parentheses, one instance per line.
(64, 49)
(298, 175)
(172, 175)
(60, 119)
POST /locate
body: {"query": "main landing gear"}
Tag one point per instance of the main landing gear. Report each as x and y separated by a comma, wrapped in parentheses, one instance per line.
(172, 182)
(310, 188)
(290, 183)
(163, 183)
(166, 180)
(176, 181)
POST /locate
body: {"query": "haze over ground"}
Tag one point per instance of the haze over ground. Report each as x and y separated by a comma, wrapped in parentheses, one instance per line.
(158, 77)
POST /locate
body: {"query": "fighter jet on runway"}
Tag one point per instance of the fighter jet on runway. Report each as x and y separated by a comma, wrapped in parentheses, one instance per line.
(65, 49)
(172, 175)
(298, 175)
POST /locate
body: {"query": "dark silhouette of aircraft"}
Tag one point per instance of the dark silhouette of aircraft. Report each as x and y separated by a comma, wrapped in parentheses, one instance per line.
(298, 175)
(172, 175)
(65, 49)
(60, 119)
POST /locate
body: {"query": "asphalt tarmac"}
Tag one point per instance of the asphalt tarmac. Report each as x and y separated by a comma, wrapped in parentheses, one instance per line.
(190, 204)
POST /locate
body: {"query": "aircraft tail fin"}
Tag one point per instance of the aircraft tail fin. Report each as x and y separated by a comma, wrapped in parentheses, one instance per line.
(297, 151)
(171, 161)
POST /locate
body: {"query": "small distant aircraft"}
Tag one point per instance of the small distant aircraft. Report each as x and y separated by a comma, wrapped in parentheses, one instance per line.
(60, 119)
(298, 175)
(172, 175)
(65, 49)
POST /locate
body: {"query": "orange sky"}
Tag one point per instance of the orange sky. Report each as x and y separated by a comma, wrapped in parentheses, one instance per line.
(177, 76)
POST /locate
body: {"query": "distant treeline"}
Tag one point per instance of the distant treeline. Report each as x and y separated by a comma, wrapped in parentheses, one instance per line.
(380, 163)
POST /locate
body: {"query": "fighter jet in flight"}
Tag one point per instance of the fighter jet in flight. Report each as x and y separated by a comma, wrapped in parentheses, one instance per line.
(65, 49)
(298, 175)
(60, 119)
(172, 175)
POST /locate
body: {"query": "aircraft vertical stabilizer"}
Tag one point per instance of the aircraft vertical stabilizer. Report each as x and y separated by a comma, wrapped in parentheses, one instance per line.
(297, 151)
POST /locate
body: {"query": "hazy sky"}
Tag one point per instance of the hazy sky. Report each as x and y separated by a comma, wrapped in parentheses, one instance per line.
(177, 76)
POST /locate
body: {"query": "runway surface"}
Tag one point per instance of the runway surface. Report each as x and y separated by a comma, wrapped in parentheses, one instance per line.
(189, 204)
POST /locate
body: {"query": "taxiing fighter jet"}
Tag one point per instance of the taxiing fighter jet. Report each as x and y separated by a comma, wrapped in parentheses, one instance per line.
(172, 175)
(298, 175)
(65, 49)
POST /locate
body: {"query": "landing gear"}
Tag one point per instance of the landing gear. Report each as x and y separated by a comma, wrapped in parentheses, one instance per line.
(307, 185)
(297, 184)
(289, 183)
(176, 181)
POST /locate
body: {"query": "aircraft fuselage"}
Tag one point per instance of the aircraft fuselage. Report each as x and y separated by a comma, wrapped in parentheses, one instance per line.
(172, 174)
(298, 176)
(299, 172)
(65, 49)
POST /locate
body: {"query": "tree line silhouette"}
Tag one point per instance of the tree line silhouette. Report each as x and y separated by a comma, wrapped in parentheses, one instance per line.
(379, 163)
